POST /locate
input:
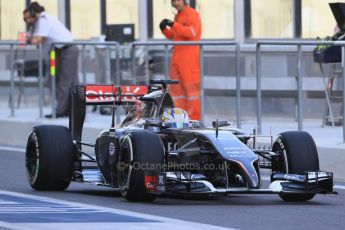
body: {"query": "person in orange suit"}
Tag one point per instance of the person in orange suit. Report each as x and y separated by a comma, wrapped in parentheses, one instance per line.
(184, 65)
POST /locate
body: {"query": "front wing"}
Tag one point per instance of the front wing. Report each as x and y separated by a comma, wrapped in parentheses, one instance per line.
(314, 182)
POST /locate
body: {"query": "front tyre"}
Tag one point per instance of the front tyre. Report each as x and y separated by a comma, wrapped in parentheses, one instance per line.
(299, 155)
(138, 148)
(49, 158)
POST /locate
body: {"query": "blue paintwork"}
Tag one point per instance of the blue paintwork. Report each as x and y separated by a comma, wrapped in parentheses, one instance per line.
(232, 149)
(55, 213)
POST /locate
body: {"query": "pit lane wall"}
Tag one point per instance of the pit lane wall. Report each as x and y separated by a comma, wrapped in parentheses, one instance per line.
(15, 133)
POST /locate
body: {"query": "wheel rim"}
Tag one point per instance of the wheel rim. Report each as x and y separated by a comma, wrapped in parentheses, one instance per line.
(284, 167)
(32, 159)
(125, 159)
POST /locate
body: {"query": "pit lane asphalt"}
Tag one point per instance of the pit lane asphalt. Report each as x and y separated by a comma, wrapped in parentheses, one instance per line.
(235, 211)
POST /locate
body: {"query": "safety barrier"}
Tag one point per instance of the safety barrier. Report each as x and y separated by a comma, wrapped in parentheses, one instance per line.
(117, 47)
(13, 44)
(201, 45)
(299, 45)
(166, 45)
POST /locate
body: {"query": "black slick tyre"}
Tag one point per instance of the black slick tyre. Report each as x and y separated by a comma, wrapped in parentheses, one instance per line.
(49, 158)
(138, 148)
(299, 155)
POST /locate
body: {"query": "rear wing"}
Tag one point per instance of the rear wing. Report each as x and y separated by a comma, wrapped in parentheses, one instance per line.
(83, 95)
(110, 94)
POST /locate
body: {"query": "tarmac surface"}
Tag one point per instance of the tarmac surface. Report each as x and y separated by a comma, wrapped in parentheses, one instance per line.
(235, 211)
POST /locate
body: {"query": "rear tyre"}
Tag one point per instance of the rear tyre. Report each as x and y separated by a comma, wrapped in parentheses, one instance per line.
(299, 155)
(138, 148)
(49, 158)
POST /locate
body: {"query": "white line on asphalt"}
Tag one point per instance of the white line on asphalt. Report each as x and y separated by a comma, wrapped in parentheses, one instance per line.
(13, 149)
(43, 211)
(163, 222)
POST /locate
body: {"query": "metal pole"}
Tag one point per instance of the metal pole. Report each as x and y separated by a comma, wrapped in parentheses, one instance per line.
(118, 74)
(166, 62)
(117, 79)
(300, 89)
(83, 64)
(53, 80)
(40, 80)
(12, 82)
(202, 92)
(343, 65)
(147, 67)
(133, 64)
(258, 87)
(110, 77)
(238, 87)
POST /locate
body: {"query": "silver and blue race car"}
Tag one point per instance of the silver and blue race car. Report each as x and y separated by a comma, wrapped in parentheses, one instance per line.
(157, 150)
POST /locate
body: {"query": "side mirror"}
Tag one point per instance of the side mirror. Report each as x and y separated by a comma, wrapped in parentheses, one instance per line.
(220, 124)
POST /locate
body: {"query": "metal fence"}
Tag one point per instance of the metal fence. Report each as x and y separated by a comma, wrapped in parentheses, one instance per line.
(12, 45)
(202, 44)
(299, 45)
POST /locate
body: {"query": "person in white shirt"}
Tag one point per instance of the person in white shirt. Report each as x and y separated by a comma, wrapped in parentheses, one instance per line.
(46, 31)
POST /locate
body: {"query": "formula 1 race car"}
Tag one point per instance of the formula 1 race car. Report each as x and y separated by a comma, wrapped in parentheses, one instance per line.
(157, 150)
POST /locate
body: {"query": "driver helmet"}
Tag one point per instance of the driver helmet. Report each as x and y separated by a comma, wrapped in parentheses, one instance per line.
(175, 118)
